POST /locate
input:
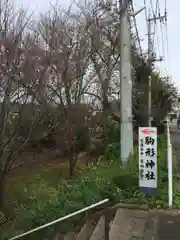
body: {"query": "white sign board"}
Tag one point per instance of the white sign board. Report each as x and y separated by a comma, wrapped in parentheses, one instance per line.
(148, 157)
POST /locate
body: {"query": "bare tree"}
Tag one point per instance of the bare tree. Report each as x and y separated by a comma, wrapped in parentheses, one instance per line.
(17, 76)
(103, 29)
(67, 43)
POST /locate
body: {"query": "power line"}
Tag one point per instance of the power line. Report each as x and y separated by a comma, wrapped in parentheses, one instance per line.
(153, 15)
(167, 41)
(136, 29)
(146, 14)
(160, 33)
(166, 32)
(164, 36)
(155, 22)
(151, 3)
(156, 35)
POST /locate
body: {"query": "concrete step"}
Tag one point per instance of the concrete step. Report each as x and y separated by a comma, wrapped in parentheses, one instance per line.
(70, 236)
(120, 227)
(99, 231)
(128, 224)
(86, 231)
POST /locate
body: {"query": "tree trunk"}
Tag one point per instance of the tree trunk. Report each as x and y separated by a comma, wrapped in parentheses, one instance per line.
(2, 188)
(71, 167)
(105, 127)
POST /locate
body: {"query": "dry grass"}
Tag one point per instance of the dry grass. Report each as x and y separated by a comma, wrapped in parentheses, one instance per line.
(38, 180)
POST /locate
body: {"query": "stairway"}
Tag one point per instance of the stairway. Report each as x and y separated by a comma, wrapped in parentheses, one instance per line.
(125, 225)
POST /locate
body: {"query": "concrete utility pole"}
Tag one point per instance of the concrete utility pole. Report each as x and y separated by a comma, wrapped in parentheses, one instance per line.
(126, 78)
(125, 83)
(151, 59)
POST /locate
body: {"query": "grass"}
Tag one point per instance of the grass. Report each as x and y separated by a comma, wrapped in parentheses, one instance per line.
(26, 186)
(48, 196)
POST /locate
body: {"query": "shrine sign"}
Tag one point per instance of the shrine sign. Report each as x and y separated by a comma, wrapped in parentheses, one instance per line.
(148, 159)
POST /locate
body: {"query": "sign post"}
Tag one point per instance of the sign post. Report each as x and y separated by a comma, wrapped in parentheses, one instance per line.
(148, 159)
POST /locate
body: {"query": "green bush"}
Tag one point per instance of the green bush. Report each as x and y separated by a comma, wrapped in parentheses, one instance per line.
(112, 151)
(113, 131)
(107, 179)
(83, 139)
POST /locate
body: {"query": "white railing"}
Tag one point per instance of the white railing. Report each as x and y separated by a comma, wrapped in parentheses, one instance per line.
(61, 219)
(170, 166)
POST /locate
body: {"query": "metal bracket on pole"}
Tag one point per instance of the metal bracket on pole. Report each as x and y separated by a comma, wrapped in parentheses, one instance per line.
(133, 14)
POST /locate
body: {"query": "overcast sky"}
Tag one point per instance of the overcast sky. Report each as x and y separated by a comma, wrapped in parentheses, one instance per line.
(170, 64)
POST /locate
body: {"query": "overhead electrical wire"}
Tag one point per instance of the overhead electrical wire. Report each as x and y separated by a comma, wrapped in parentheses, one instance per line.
(151, 3)
(164, 36)
(160, 29)
(166, 32)
(136, 29)
(146, 14)
(161, 32)
(155, 21)
(154, 15)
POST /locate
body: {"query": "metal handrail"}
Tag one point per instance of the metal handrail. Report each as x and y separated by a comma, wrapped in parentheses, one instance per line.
(61, 219)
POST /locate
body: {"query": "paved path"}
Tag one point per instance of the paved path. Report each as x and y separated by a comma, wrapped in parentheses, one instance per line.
(149, 225)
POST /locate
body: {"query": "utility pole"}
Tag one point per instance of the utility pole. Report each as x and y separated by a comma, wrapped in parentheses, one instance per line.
(151, 59)
(125, 83)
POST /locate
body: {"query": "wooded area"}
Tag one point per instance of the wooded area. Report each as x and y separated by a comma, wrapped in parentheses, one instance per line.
(59, 83)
